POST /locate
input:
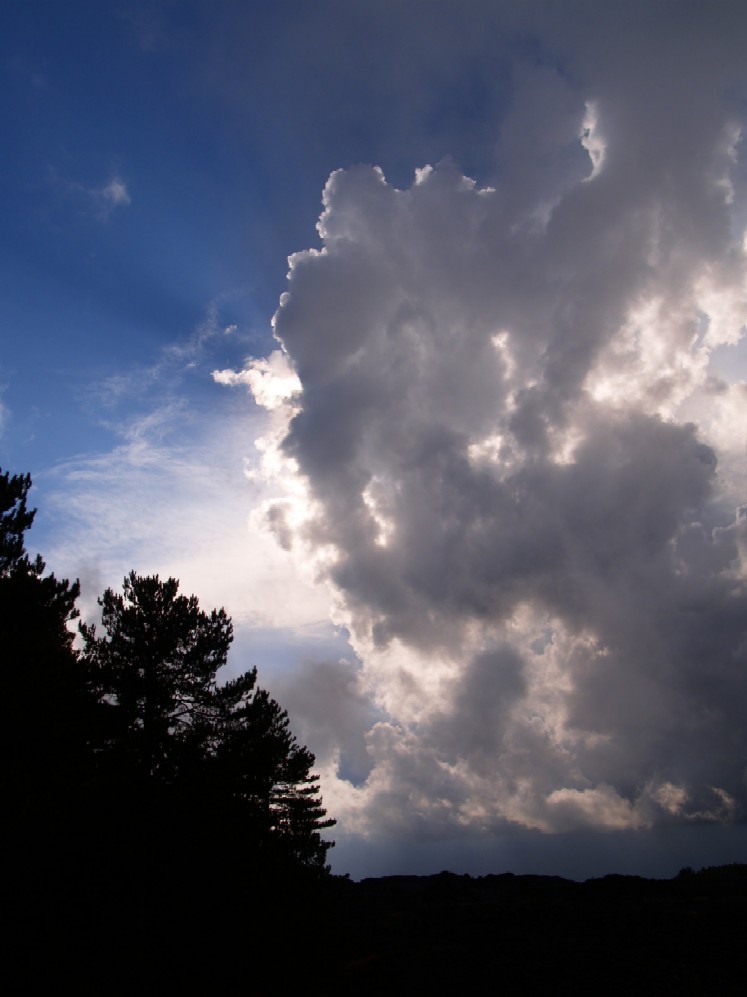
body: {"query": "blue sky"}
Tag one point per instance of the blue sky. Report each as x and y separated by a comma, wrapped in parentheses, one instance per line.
(107, 284)
(488, 549)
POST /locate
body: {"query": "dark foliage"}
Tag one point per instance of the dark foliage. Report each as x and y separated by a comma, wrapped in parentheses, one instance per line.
(15, 519)
(154, 815)
(176, 738)
(47, 712)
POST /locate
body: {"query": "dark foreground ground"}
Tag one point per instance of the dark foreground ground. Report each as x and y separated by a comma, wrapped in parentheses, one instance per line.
(447, 934)
(543, 935)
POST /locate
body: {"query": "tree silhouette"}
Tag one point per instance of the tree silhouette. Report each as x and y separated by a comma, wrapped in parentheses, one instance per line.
(269, 775)
(46, 711)
(180, 740)
(140, 792)
(25, 588)
(156, 672)
(15, 519)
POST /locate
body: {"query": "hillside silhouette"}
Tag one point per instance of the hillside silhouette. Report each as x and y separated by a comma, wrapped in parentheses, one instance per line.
(543, 934)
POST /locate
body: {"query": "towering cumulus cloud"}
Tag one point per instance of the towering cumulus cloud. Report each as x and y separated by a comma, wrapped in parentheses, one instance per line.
(515, 453)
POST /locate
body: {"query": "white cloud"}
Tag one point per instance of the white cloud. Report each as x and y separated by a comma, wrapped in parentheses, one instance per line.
(591, 140)
(173, 496)
(115, 192)
(174, 508)
(99, 201)
(272, 381)
(111, 195)
(509, 457)
(600, 807)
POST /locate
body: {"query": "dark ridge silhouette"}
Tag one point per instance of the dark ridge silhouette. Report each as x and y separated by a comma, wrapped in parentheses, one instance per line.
(543, 934)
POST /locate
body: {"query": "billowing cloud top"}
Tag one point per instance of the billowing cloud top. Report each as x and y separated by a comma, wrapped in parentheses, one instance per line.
(510, 456)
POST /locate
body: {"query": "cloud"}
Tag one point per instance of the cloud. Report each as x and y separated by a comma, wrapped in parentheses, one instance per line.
(271, 381)
(171, 495)
(111, 195)
(115, 192)
(509, 458)
(173, 505)
(100, 201)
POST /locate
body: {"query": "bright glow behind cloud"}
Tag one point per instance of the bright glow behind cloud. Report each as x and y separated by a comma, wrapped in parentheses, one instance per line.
(183, 512)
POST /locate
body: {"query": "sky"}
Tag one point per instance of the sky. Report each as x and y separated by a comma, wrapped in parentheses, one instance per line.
(414, 334)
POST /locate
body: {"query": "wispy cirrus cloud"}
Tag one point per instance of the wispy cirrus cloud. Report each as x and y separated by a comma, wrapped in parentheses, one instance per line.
(177, 505)
(113, 194)
(101, 201)
(171, 495)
